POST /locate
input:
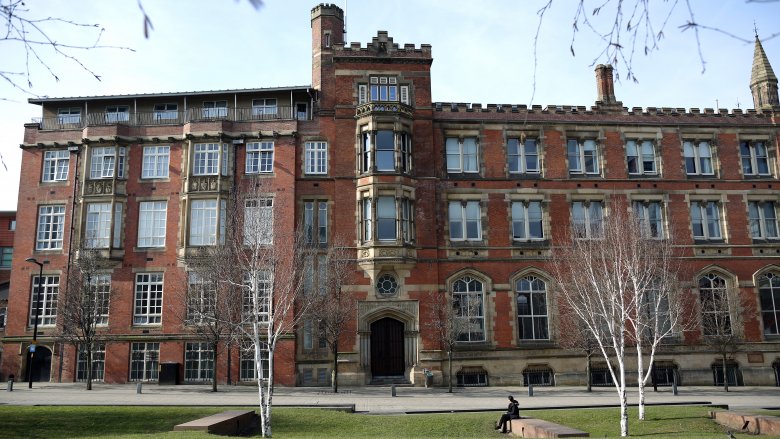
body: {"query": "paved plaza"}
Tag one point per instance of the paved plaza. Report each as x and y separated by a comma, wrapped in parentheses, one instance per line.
(378, 400)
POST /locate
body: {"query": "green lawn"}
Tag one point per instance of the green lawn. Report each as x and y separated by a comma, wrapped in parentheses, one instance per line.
(149, 422)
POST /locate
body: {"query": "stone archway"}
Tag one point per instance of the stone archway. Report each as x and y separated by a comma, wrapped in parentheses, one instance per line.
(399, 323)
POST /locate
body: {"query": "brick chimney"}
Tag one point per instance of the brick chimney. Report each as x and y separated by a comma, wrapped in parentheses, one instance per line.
(604, 84)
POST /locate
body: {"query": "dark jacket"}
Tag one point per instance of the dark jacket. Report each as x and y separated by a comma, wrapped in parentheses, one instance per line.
(513, 410)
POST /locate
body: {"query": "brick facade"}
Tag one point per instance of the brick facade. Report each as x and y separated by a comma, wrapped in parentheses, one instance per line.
(365, 102)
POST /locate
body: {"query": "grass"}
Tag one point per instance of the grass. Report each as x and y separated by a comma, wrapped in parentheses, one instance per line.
(55, 422)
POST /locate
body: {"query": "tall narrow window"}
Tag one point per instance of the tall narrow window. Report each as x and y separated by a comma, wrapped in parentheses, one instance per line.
(407, 220)
(467, 296)
(763, 220)
(44, 296)
(769, 296)
(144, 361)
(531, 309)
(366, 150)
(258, 221)
(715, 308)
(201, 299)
(583, 156)
(207, 222)
(155, 162)
(523, 156)
(148, 299)
(650, 217)
(368, 231)
(465, 221)
(98, 225)
(527, 220)
(587, 217)
(698, 158)
(51, 220)
(406, 152)
(705, 220)
(151, 223)
(316, 158)
(385, 151)
(257, 294)
(640, 157)
(385, 218)
(315, 220)
(55, 165)
(259, 157)
(755, 161)
(462, 155)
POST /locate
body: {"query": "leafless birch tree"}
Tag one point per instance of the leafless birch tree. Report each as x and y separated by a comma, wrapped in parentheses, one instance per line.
(721, 319)
(84, 304)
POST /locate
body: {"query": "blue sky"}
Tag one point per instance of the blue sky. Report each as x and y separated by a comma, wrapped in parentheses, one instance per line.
(483, 53)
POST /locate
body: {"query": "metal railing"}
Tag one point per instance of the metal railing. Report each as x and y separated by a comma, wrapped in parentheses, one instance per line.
(240, 114)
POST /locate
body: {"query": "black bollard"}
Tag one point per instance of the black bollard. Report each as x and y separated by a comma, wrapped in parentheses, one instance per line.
(392, 390)
(10, 385)
(138, 388)
(530, 389)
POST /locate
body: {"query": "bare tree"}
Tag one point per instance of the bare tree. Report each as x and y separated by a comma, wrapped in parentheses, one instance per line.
(331, 307)
(84, 304)
(449, 321)
(213, 305)
(721, 319)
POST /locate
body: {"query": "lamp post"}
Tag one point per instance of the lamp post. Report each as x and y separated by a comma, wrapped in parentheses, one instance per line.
(37, 312)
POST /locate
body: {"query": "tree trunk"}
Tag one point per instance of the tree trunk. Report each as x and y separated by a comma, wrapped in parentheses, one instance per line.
(623, 413)
(89, 367)
(335, 379)
(214, 369)
(640, 381)
(228, 365)
(449, 361)
(725, 373)
(587, 373)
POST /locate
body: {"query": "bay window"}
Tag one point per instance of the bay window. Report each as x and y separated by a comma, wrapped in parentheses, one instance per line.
(387, 218)
(207, 222)
(385, 151)
(207, 159)
(105, 161)
(98, 225)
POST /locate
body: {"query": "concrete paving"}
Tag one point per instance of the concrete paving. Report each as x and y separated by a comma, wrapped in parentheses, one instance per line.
(378, 400)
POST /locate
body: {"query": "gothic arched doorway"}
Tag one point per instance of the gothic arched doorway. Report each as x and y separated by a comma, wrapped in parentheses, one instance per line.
(41, 364)
(387, 348)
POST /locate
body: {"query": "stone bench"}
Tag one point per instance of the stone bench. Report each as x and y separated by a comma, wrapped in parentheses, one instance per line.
(231, 422)
(747, 423)
(531, 427)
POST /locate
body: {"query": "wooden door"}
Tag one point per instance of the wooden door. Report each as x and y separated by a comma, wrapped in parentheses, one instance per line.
(387, 347)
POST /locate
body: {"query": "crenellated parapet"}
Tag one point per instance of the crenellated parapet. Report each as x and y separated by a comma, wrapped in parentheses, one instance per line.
(382, 46)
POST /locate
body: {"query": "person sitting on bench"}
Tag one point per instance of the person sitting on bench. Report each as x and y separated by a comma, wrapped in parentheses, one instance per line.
(512, 412)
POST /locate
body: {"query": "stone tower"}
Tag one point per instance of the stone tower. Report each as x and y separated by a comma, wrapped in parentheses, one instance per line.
(763, 82)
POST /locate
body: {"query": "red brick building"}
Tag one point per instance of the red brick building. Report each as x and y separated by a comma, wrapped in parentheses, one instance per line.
(437, 198)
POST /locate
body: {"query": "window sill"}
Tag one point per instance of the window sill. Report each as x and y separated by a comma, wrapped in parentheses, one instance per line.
(700, 241)
(701, 176)
(149, 249)
(536, 243)
(525, 175)
(759, 177)
(473, 345)
(464, 175)
(535, 344)
(584, 175)
(468, 243)
(655, 176)
(154, 180)
(250, 175)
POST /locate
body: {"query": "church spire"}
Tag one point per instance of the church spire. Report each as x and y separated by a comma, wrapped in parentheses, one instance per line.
(763, 82)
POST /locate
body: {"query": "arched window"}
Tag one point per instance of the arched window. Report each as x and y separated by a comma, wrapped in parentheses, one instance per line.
(532, 308)
(716, 319)
(769, 296)
(467, 296)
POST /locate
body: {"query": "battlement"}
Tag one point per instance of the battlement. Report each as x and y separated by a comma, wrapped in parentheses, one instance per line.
(455, 107)
(382, 45)
(327, 9)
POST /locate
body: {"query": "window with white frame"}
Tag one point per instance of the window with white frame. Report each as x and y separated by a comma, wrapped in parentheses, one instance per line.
(527, 221)
(207, 222)
(166, 111)
(588, 219)
(698, 158)
(148, 299)
(201, 299)
(151, 223)
(105, 160)
(117, 113)
(532, 321)
(315, 221)
(144, 361)
(44, 295)
(98, 225)
(755, 160)
(155, 162)
(316, 158)
(257, 294)
(100, 290)
(715, 308)
(258, 221)
(640, 157)
(248, 367)
(214, 109)
(259, 157)
(51, 221)
(583, 156)
(769, 297)
(705, 220)
(650, 217)
(383, 89)
(763, 219)
(198, 362)
(69, 116)
(462, 155)
(207, 158)
(465, 221)
(55, 165)
(98, 362)
(467, 297)
(523, 156)
(264, 108)
(6, 256)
